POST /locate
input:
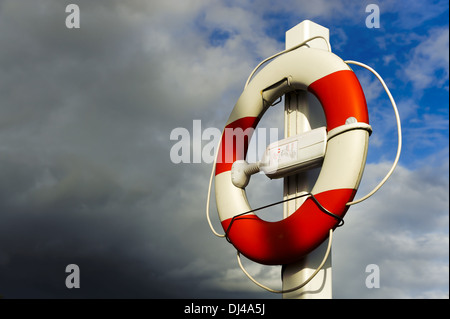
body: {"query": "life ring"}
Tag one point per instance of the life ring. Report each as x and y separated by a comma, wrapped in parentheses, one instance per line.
(337, 88)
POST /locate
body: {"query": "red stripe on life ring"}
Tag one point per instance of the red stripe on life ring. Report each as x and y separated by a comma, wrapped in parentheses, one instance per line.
(234, 143)
(287, 240)
(341, 96)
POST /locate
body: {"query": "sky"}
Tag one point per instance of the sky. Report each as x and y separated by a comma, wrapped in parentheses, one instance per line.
(86, 115)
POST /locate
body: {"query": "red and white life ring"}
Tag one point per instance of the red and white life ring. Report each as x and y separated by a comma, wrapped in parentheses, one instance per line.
(337, 88)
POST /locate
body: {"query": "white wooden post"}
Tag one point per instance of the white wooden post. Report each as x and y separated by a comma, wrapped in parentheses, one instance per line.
(298, 108)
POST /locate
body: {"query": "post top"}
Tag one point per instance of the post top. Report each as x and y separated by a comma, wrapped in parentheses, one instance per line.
(305, 30)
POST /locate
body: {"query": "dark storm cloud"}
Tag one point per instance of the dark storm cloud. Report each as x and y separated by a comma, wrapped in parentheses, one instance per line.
(86, 176)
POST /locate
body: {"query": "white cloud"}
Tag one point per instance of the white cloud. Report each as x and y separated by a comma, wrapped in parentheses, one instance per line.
(429, 63)
(403, 229)
(413, 14)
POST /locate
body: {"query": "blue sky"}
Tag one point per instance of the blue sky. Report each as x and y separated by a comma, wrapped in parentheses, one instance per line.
(85, 120)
